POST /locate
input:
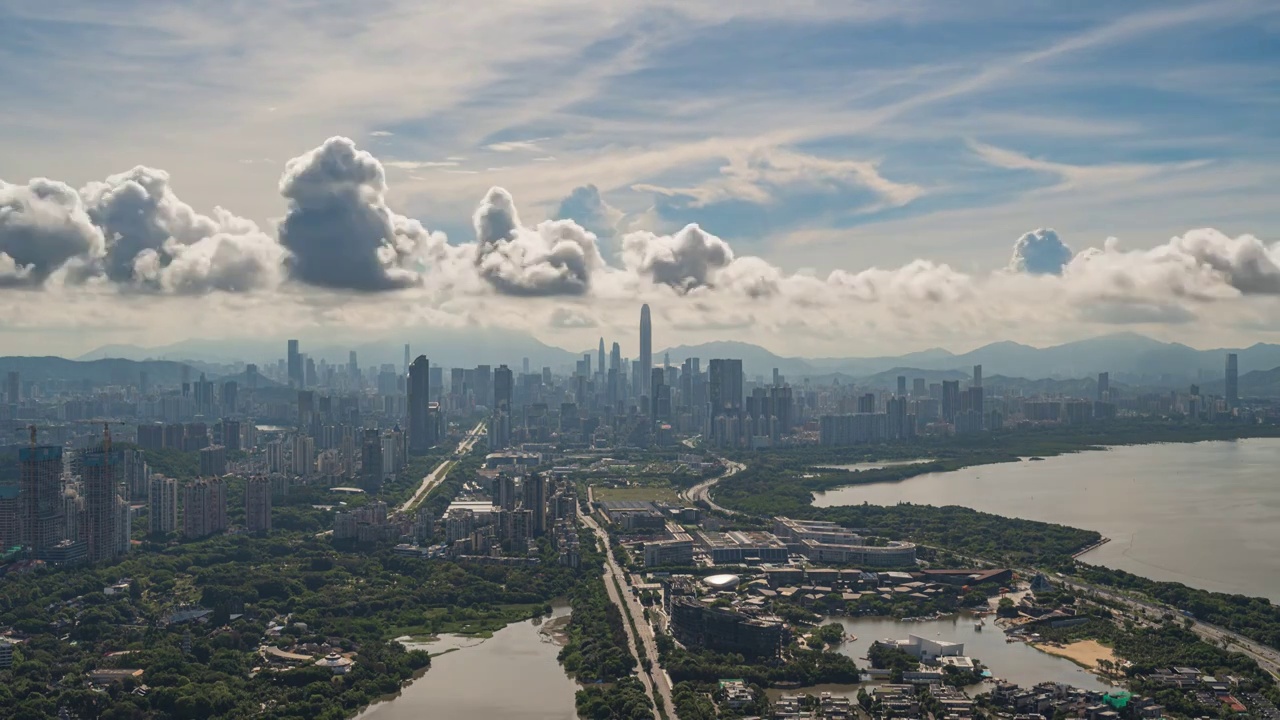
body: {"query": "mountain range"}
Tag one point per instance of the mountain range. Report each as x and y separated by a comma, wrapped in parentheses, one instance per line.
(1130, 358)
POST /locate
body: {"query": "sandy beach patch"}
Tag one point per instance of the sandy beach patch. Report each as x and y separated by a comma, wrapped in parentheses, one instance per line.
(1086, 653)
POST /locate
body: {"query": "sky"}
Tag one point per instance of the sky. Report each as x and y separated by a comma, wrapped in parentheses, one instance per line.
(819, 178)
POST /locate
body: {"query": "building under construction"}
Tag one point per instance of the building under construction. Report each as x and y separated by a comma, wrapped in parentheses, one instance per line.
(40, 497)
(100, 472)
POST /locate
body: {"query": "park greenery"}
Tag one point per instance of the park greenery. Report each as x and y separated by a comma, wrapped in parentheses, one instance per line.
(1253, 617)
(801, 667)
(597, 649)
(626, 699)
(356, 602)
(775, 485)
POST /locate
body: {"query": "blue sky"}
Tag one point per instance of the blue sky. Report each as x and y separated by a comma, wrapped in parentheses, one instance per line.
(907, 86)
(815, 135)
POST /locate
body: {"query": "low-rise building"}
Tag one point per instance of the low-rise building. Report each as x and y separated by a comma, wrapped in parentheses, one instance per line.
(739, 546)
(823, 541)
(699, 624)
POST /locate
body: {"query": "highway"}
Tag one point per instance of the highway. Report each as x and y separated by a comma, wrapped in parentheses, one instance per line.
(656, 683)
(434, 477)
(702, 491)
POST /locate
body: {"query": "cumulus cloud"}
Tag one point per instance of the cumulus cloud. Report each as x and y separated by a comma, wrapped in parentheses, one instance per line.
(43, 225)
(570, 318)
(586, 207)
(1200, 265)
(156, 241)
(339, 229)
(685, 260)
(1040, 252)
(558, 257)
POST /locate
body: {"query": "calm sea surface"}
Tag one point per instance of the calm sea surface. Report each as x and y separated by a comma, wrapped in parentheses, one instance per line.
(1205, 514)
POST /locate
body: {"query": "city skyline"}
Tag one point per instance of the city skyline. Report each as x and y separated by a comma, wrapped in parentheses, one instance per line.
(966, 194)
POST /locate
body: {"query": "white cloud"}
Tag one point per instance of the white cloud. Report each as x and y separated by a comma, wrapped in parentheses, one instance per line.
(757, 175)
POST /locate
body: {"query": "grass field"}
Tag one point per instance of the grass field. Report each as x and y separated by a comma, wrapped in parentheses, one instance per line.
(655, 493)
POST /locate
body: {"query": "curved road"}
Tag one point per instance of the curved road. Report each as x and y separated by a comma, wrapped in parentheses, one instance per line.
(434, 477)
(702, 491)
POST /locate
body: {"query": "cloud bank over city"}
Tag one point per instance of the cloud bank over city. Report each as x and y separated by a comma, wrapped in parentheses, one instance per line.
(132, 234)
(864, 180)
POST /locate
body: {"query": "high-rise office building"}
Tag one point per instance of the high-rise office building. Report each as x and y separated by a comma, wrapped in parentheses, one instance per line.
(535, 501)
(230, 397)
(1104, 386)
(353, 369)
(295, 365)
(257, 505)
(100, 470)
(371, 470)
(40, 505)
(405, 368)
(950, 399)
(919, 390)
(600, 366)
(902, 386)
(977, 376)
(660, 400)
(162, 504)
(484, 385)
(1233, 381)
(420, 439)
(503, 388)
(646, 349)
(725, 385)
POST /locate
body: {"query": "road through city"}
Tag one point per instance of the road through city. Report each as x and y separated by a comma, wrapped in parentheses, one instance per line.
(434, 477)
(656, 683)
(702, 491)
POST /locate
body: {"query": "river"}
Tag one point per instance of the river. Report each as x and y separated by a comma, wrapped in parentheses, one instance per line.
(1204, 514)
(513, 674)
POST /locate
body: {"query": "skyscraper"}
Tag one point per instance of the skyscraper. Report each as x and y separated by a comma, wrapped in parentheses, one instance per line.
(353, 368)
(40, 496)
(162, 504)
(977, 376)
(646, 349)
(419, 400)
(99, 468)
(230, 397)
(204, 508)
(902, 386)
(371, 461)
(295, 365)
(15, 385)
(950, 399)
(725, 386)
(503, 386)
(405, 368)
(600, 367)
(1104, 385)
(257, 505)
(1233, 381)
